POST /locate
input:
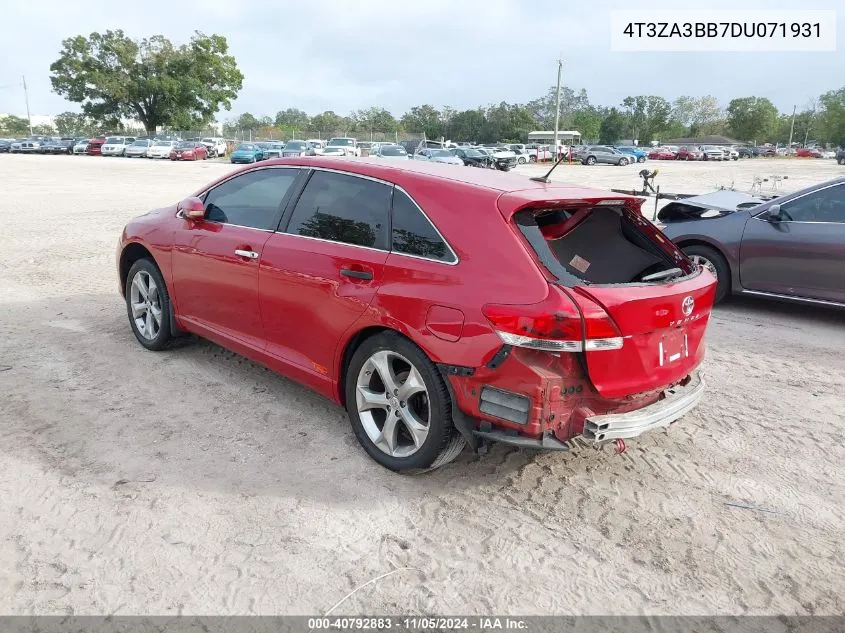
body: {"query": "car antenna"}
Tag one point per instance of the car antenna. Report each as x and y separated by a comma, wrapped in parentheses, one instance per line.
(545, 178)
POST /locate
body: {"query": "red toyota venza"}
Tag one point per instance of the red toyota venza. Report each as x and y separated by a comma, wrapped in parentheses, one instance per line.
(440, 306)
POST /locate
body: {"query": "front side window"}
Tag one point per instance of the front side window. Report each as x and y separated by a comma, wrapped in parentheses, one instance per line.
(414, 234)
(253, 199)
(825, 205)
(343, 208)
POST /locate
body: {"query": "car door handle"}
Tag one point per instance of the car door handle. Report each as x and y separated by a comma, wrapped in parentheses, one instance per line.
(249, 254)
(357, 274)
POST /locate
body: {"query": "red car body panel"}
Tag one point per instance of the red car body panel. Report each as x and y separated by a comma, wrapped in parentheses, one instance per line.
(688, 154)
(661, 155)
(292, 311)
(95, 147)
(198, 152)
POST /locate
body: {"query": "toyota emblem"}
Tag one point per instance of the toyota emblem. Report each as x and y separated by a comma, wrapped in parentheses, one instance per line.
(687, 305)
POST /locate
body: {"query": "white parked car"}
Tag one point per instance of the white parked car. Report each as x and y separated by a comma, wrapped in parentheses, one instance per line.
(161, 149)
(80, 147)
(138, 149)
(116, 145)
(316, 146)
(347, 145)
(215, 145)
(711, 152)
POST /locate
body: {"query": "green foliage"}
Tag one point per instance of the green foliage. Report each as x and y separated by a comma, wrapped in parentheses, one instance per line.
(43, 129)
(424, 118)
(151, 80)
(328, 123)
(373, 120)
(832, 116)
(612, 127)
(14, 126)
(292, 118)
(751, 118)
(647, 116)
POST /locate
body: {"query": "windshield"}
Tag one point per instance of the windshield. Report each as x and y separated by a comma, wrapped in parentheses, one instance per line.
(245, 147)
(186, 144)
(473, 153)
(163, 144)
(440, 153)
(114, 140)
(141, 143)
(392, 150)
(296, 145)
(208, 140)
(341, 142)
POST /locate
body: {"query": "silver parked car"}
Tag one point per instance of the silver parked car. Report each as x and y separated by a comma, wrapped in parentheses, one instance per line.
(296, 148)
(438, 156)
(138, 149)
(389, 152)
(604, 154)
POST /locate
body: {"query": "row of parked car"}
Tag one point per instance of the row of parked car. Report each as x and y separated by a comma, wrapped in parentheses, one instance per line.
(125, 146)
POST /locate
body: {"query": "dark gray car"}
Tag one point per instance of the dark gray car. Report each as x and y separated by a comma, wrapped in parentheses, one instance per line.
(792, 247)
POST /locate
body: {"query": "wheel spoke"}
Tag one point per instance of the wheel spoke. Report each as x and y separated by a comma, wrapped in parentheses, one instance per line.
(138, 283)
(388, 435)
(138, 309)
(156, 311)
(148, 324)
(369, 399)
(415, 426)
(413, 384)
(381, 363)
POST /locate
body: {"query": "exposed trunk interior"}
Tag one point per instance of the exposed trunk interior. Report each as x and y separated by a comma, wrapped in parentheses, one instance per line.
(593, 245)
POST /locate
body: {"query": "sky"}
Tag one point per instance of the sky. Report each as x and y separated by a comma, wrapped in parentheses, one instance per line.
(342, 55)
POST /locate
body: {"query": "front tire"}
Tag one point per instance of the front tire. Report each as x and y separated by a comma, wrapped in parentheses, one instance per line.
(623, 162)
(591, 160)
(148, 305)
(641, 159)
(399, 405)
(713, 261)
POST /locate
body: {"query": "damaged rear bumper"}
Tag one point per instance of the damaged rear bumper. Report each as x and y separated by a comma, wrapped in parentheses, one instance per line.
(679, 400)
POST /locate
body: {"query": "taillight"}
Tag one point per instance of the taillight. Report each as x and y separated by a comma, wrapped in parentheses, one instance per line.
(554, 325)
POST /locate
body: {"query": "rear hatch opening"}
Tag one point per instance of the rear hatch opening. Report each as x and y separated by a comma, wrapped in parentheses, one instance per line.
(621, 294)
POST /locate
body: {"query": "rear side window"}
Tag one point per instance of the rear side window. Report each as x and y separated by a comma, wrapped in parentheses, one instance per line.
(343, 208)
(252, 199)
(414, 234)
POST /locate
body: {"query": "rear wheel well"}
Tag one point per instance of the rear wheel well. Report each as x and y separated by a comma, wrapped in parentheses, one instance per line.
(131, 254)
(351, 346)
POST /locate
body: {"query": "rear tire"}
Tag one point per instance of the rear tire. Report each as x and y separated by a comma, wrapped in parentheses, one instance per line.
(713, 260)
(399, 405)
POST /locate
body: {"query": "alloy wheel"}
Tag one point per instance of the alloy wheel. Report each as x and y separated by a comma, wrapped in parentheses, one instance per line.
(393, 405)
(698, 260)
(145, 302)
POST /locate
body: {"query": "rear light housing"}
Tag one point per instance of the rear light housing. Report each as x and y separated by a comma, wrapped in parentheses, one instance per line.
(556, 324)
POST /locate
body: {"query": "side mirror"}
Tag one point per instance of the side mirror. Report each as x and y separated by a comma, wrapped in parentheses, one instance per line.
(192, 208)
(774, 214)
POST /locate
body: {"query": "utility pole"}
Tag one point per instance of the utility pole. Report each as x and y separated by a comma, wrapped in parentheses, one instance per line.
(792, 128)
(26, 97)
(557, 104)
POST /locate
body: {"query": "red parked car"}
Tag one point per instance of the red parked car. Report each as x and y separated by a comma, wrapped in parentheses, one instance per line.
(661, 153)
(95, 146)
(689, 153)
(189, 150)
(360, 280)
(805, 152)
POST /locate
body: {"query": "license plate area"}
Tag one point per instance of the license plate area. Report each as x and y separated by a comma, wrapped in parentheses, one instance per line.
(672, 347)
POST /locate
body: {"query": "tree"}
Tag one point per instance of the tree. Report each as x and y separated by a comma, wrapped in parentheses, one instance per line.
(588, 123)
(751, 118)
(12, 125)
(647, 116)
(424, 118)
(832, 116)
(291, 119)
(73, 123)
(697, 114)
(612, 127)
(43, 129)
(373, 119)
(329, 123)
(151, 80)
(466, 125)
(543, 109)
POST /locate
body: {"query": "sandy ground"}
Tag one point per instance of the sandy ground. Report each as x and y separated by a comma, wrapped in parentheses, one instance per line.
(196, 482)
